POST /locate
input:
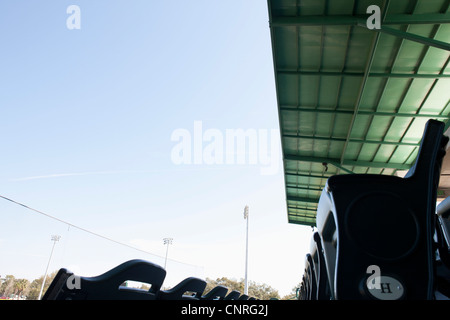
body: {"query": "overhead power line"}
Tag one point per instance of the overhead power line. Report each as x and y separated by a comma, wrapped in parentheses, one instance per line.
(91, 232)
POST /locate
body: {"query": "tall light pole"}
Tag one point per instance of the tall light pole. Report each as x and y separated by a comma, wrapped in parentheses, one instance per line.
(167, 241)
(246, 251)
(55, 238)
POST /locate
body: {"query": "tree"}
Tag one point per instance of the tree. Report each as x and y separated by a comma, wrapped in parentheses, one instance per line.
(229, 283)
(262, 291)
(21, 287)
(13, 286)
(35, 286)
(259, 291)
(7, 287)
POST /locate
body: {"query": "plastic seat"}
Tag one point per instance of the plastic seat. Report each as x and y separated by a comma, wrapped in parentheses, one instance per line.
(305, 288)
(443, 228)
(311, 278)
(301, 290)
(233, 295)
(443, 256)
(306, 281)
(387, 222)
(191, 284)
(322, 286)
(314, 263)
(215, 293)
(66, 286)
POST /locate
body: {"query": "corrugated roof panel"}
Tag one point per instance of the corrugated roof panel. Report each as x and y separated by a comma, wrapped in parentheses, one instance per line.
(350, 99)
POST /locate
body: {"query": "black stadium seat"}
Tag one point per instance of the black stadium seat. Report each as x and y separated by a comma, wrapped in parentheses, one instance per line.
(323, 289)
(215, 293)
(194, 285)
(110, 286)
(233, 295)
(311, 276)
(387, 222)
(443, 230)
(67, 286)
(443, 239)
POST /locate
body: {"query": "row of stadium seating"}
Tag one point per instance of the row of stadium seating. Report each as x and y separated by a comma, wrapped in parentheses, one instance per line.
(110, 286)
(381, 237)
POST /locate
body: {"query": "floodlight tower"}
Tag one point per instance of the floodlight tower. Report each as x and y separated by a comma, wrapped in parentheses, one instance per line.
(167, 241)
(55, 238)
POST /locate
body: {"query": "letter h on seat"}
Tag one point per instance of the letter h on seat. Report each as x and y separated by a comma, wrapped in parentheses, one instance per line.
(388, 221)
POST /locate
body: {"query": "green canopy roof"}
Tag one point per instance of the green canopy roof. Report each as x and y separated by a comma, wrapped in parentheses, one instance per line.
(353, 99)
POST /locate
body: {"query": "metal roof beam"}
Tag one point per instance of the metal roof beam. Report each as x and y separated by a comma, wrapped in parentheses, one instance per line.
(408, 75)
(336, 20)
(367, 113)
(310, 159)
(306, 209)
(335, 162)
(413, 37)
(353, 20)
(423, 18)
(361, 74)
(313, 210)
(302, 199)
(315, 188)
(351, 140)
(313, 137)
(373, 164)
(317, 176)
(301, 215)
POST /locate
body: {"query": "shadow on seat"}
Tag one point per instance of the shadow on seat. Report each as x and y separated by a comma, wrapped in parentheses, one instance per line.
(194, 285)
(67, 286)
(386, 223)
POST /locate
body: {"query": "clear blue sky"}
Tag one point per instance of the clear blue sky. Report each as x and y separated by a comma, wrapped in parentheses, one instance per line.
(86, 123)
